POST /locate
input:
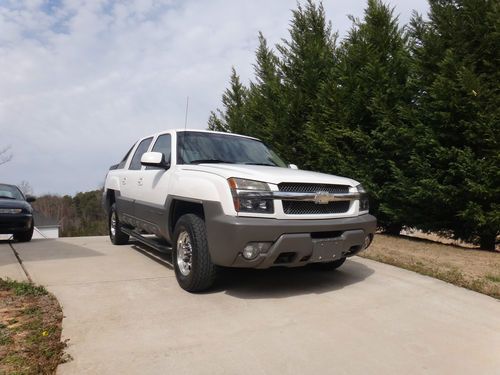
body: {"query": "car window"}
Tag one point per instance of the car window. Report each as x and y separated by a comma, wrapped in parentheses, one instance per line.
(124, 160)
(164, 145)
(135, 164)
(10, 192)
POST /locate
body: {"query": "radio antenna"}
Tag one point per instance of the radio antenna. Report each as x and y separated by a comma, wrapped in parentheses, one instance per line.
(186, 117)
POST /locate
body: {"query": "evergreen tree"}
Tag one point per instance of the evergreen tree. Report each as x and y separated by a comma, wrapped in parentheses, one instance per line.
(306, 61)
(373, 102)
(457, 59)
(328, 138)
(265, 110)
(413, 116)
(232, 118)
(284, 99)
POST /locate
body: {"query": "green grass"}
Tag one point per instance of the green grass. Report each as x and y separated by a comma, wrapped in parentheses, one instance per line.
(32, 311)
(5, 338)
(494, 278)
(453, 275)
(464, 267)
(22, 288)
(30, 330)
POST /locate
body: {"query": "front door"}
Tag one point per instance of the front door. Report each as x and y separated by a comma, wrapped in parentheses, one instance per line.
(150, 207)
(130, 183)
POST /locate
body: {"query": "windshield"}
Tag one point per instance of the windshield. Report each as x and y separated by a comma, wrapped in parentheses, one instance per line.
(199, 147)
(10, 192)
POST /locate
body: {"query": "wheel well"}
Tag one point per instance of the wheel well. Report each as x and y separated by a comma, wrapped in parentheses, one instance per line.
(110, 199)
(180, 208)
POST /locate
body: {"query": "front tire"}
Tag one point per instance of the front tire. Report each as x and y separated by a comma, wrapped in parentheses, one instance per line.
(116, 235)
(194, 269)
(24, 236)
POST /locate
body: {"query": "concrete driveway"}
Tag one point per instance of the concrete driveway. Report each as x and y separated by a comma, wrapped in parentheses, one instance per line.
(125, 314)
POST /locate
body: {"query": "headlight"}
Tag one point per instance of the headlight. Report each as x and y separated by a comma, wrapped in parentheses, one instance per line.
(364, 204)
(11, 210)
(253, 204)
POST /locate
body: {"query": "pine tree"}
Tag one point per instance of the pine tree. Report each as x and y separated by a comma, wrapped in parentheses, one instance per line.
(329, 140)
(216, 123)
(264, 110)
(306, 61)
(457, 59)
(232, 118)
(283, 100)
(374, 99)
(412, 115)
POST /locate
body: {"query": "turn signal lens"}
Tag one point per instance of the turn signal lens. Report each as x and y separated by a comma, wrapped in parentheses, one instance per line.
(364, 203)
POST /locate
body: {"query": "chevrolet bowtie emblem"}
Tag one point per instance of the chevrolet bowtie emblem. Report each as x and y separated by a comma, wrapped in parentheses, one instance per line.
(322, 197)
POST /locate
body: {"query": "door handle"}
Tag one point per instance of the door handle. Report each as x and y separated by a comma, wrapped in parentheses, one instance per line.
(139, 181)
(124, 181)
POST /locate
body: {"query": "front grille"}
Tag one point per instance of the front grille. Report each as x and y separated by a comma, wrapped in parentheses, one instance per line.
(312, 188)
(312, 208)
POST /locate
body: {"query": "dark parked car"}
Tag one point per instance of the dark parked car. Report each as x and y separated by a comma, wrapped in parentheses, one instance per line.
(16, 213)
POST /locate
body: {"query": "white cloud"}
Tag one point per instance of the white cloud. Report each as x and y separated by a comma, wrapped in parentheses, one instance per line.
(80, 80)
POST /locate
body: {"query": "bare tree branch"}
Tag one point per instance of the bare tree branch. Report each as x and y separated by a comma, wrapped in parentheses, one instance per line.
(5, 155)
(25, 187)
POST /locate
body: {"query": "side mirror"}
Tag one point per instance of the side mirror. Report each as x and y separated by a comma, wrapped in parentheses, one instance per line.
(292, 166)
(30, 199)
(154, 159)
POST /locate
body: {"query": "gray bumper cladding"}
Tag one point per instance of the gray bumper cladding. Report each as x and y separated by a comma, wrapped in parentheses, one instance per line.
(295, 242)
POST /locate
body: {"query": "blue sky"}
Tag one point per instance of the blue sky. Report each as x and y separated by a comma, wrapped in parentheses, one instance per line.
(81, 80)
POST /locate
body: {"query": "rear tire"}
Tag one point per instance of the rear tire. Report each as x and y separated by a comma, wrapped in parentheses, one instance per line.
(193, 266)
(329, 266)
(24, 236)
(116, 235)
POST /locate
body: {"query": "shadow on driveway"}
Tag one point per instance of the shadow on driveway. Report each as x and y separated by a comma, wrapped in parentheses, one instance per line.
(51, 249)
(281, 282)
(276, 282)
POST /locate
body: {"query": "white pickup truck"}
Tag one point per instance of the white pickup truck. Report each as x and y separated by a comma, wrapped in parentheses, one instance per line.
(218, 199)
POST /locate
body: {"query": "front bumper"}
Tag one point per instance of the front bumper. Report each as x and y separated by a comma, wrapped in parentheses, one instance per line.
(295, 242)
(10, 224)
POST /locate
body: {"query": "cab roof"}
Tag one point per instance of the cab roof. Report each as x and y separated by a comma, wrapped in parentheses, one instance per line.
(199, 131)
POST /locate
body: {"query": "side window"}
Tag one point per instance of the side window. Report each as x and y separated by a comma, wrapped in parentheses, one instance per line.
(164, 145)
(124, 160)
(135, 164)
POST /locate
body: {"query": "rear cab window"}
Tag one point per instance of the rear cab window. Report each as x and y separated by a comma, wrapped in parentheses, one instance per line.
(121, 165)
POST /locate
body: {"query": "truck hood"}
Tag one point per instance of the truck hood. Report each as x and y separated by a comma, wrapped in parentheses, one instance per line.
(272, 175)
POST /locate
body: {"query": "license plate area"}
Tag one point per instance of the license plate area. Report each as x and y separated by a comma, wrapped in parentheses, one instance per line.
(327, 249)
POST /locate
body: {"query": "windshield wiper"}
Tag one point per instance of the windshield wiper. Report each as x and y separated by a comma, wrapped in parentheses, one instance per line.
(265, 164)
(6, 197)
(206, 161)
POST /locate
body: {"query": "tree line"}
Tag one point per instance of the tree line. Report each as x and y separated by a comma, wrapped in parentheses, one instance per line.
(411, 111)
(79, 215)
